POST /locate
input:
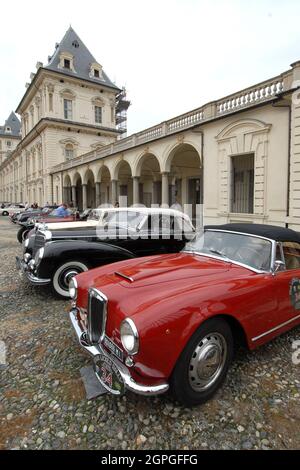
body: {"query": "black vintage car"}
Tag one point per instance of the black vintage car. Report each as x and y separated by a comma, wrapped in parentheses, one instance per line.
(56, 253)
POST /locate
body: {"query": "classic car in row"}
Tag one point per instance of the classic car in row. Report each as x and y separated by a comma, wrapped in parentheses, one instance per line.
(19, 217)
(11, 209)
(57, 252)
(171, 322)
(48, 217)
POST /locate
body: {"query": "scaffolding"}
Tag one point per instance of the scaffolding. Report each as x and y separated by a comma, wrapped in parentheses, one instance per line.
(122, 105)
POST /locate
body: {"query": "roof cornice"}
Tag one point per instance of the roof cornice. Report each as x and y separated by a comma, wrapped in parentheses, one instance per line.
(48, 72)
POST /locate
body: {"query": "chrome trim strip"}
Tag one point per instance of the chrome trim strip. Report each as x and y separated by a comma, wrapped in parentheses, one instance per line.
(124, 276)
(276, 328)
(226, 260)
(130, 384)
(238, 233)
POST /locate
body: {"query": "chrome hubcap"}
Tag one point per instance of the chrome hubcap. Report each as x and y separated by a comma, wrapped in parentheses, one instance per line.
(66, 277)
(207, 361)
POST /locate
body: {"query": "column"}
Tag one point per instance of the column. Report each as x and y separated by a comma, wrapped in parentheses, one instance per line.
(73, 195)
(65, 194)
(113, 191)
(135, 188)
(98, 197)
(165, 189)
(84, 196)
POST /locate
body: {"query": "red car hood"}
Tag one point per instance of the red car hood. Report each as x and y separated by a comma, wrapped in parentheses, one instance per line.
(154, 270)
(166, 268)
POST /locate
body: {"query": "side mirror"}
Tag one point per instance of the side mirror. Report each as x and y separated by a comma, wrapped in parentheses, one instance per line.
(278, 266)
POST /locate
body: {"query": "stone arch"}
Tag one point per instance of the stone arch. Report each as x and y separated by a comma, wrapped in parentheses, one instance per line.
(182, 164)
(67, 180)
(103, 178)
(147, 169)
(122, 173)
(89, 172)
(181, 147)
(89, 180)
(77, 189)
(144, 158)
(67, 188)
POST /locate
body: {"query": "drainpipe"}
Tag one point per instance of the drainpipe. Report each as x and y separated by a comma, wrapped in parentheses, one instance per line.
(51, 176)
(289, 158)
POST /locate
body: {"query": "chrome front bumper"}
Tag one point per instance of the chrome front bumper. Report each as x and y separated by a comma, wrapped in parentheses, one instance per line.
(25, 269)
(130, 383)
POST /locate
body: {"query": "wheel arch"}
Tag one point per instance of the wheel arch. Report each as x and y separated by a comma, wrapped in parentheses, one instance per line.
(238, 332)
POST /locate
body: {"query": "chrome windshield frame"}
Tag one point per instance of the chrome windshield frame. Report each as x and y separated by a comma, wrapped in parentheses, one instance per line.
(231, 261)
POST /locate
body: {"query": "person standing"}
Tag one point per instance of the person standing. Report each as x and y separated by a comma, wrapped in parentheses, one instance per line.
(62, 211)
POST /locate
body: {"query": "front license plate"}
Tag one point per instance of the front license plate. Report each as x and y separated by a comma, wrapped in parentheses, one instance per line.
(109, 375)
(109, 344)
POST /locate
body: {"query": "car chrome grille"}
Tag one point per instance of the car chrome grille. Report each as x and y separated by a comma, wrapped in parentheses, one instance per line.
(97, 312)
(39, 241)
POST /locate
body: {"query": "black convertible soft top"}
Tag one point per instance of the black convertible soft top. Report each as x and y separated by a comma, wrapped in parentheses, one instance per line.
(281, 234)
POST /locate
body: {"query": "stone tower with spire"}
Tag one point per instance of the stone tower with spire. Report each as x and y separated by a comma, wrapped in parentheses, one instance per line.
(10, 136)
(68, 109)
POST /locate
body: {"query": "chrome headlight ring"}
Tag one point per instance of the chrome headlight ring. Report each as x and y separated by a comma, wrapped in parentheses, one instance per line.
(73, 286)
(129, 336)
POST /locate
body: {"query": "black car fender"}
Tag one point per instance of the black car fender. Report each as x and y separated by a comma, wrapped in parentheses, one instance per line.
(58, 252)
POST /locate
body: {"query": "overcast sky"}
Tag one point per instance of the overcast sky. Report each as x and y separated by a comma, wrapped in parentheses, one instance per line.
(172, 55)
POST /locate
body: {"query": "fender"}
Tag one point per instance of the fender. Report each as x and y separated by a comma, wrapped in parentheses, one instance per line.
(93, 253)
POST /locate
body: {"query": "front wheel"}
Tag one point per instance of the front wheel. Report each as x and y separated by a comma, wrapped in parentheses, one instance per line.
(5, 213)
(203, 364)
(63, 274)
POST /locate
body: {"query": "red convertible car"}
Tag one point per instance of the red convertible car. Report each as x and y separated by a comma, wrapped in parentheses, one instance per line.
(172, 321)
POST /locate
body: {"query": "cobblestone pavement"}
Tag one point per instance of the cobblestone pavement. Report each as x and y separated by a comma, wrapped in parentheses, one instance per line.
(42, 398)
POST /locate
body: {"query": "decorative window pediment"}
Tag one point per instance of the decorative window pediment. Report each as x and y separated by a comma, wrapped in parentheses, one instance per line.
(98, 101)
(97, 145)
(69, 141)
(243, 126)
(68, 94)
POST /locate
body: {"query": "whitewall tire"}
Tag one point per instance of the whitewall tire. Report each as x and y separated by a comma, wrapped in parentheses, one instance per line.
(63, 274)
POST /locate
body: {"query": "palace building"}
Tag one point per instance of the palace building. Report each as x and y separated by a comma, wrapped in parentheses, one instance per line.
(239, 155)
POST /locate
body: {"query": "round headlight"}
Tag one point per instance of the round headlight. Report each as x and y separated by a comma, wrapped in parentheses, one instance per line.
(26, 257)
(129, 336)
(73, 288)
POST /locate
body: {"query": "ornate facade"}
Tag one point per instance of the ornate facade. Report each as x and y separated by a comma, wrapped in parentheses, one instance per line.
(239, 155)
(68, 109)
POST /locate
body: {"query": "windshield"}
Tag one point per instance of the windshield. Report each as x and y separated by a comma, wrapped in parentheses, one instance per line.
(246, 249)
